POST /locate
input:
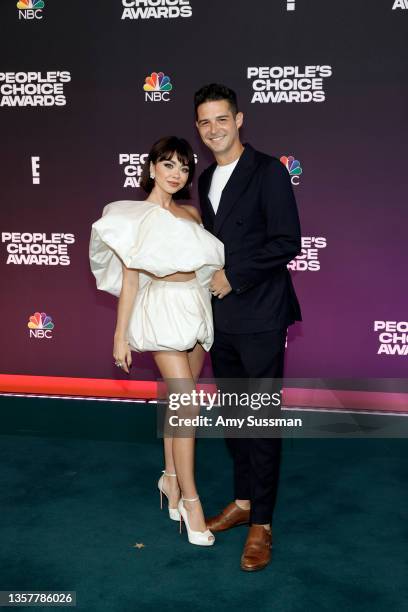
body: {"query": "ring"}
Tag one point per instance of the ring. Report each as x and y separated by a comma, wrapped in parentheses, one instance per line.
(118, 364)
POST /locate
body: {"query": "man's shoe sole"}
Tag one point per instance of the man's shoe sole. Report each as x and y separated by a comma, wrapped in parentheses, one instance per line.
(254, 569)
(228, 528)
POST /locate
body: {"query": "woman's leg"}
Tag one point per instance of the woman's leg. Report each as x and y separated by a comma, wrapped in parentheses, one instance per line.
(171, 486)
(196, 360)
(175, 369)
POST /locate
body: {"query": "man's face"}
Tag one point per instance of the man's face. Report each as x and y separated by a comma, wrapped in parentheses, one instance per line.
(217, 125)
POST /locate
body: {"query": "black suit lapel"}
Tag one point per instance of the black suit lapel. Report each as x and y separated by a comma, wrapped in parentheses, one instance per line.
(236, 184)
(207, 211)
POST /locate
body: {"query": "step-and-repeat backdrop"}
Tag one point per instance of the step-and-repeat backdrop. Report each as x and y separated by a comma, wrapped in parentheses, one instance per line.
(87, 87)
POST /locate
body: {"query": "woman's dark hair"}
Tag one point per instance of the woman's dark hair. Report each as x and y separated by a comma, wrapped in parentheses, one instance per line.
(163, 149)
(215, 91)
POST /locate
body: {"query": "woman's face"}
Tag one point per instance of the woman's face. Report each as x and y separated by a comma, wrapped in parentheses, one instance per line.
(170, 175)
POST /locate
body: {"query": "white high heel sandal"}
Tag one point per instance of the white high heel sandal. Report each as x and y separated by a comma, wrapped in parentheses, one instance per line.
(174, 514)
(201, 538)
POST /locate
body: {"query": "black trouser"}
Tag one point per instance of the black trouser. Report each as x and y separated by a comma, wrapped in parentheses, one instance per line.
(256, 460)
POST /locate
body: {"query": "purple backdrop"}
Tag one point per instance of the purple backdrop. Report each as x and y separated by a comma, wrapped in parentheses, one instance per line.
(71, 94)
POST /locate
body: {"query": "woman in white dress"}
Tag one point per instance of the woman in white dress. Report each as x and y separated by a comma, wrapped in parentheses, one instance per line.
(158, 259)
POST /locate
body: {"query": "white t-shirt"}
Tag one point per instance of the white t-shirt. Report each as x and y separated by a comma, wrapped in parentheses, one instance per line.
(219, 179)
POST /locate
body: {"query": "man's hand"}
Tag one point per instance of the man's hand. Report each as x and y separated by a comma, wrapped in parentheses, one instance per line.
(219, 285)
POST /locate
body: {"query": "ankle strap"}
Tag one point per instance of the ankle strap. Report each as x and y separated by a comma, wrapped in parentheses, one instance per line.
(191, 499)
(168, 473)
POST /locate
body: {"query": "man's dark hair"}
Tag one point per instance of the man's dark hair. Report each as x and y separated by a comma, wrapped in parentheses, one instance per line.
(215, 91)
(165, 149)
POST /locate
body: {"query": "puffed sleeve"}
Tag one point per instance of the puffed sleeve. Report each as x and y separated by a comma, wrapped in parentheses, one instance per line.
(147, 237)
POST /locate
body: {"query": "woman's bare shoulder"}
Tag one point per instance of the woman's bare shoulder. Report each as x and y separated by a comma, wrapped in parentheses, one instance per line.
(192, 210)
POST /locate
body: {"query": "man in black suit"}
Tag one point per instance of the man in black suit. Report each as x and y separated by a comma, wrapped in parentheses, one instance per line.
(247, 201)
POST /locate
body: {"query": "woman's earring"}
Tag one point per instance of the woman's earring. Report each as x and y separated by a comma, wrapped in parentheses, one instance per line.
(151, 175)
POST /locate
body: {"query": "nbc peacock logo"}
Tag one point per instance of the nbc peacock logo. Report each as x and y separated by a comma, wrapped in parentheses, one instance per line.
(30, 9)
(40, 325)
(293, 167)
(157, 87)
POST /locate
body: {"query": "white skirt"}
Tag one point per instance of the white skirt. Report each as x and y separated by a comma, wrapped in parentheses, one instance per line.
(171, 316)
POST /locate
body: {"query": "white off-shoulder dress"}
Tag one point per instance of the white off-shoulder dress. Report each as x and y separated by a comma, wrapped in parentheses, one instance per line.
(166, 315)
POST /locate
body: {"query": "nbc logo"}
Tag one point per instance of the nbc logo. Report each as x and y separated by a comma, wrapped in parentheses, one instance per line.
(157, 87)
(30, 9)
(40, 325)
(293, 167)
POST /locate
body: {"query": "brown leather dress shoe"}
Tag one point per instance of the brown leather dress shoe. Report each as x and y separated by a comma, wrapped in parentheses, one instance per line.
(257, 549)
(231, 516)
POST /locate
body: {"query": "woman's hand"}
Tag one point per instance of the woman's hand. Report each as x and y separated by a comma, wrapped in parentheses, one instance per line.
(219, 285)
(122, 354)
(130, 286)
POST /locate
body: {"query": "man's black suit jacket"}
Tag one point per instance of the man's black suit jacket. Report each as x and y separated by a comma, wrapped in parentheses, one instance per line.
(257, 220)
